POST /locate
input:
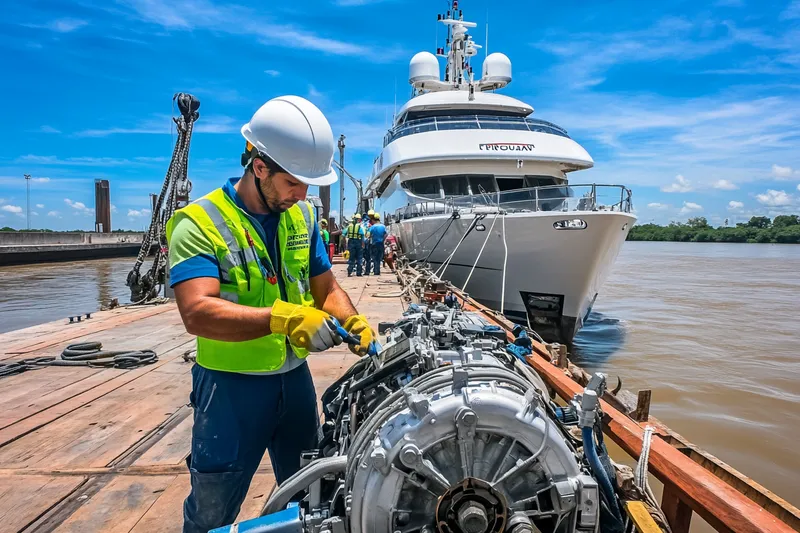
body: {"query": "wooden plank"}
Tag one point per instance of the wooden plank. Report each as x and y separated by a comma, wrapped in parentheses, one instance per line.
(133, 470)
(102, 430)
(641, 518)
(50, 414)
(166, 514)
(118, 506)
(25, 498)
(679, 515)
(27, 346)
(259, 491)
(30, 397)
(172, 448)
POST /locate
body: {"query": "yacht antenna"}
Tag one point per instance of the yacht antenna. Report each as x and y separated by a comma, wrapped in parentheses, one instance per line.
(486, 42)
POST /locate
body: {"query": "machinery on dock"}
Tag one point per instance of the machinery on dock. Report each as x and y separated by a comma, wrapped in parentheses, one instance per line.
(174, 195)
(448, 430)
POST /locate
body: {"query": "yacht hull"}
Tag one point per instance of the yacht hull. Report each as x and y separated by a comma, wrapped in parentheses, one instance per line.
(552, 276)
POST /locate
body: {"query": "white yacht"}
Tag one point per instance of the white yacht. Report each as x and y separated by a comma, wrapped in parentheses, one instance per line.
(477, 188)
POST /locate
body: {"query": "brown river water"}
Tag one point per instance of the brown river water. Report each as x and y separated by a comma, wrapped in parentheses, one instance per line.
(712, 329)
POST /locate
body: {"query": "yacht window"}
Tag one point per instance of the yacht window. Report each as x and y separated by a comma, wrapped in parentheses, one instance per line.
(454, 185)
(509, 184)
(476, 183)
(428, 187)
(457, 123)
(539, 181)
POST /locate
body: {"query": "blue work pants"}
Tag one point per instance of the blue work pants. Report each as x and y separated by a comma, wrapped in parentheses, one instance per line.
(236, 418)
(354, 262)
(377, 256)
(367, 257)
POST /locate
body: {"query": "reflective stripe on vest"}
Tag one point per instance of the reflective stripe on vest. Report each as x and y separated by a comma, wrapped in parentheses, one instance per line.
(352, 232)
(225, 226)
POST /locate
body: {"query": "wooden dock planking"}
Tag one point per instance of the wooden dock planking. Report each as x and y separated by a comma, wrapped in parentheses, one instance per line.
(62, 334)
(23, 499)
(58, 384)
(85, 449)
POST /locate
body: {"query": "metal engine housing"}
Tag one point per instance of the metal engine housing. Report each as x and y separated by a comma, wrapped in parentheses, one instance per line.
(445, 431)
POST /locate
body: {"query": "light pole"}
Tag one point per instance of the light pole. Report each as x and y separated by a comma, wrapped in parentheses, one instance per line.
(341, 181)
(28, 191)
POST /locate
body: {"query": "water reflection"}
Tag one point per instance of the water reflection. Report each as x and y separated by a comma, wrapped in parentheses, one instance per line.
(601, 337)
(35, 294)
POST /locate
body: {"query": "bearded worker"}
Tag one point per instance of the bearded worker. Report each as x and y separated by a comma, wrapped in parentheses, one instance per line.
(253, 281)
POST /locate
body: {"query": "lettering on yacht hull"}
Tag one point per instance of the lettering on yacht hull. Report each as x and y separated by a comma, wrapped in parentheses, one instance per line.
(507, 147)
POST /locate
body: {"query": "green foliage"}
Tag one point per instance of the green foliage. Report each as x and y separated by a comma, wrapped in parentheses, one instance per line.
(782, 221)
(785, 229)
(759, 222)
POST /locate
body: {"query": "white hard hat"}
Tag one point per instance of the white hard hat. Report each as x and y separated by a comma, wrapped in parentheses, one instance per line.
(295, 134)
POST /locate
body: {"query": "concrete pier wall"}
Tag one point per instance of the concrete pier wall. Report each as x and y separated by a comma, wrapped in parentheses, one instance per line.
(39, 238)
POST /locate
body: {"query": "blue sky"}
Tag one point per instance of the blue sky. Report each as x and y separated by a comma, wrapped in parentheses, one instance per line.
(694, 105)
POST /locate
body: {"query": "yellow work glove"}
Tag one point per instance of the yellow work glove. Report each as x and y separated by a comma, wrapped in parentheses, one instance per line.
(358, 325)
(306, 327)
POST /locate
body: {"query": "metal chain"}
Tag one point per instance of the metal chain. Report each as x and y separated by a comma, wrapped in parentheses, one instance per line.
(143, 288)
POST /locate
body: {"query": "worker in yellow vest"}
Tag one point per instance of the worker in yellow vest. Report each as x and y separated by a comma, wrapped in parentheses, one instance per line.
(253, 281)
(355, 243)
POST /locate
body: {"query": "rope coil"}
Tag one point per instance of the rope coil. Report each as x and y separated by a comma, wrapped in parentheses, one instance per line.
(88, 354)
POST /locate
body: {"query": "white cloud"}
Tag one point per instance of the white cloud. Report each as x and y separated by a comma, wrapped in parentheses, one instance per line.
(74, 205)
(52, 214)
(113, 208)
(689, 207)
(41, 180)
(66, 25)
(733, 205)
(188, 15)
(798, 187)
(313, 93)
(52, 160)
(135, 213)
(48, 129)
(2, 201)
(80, 207)
(773, 198)
(725, 185)
(160, 125)
(12, 209)
(34, 213)
(273, 73)
(40, 206)
(681, 184)
(784, 173)
(656, 205)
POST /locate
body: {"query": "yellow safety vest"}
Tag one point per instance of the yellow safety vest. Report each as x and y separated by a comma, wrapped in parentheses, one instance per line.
(245, 272)
(352, 231)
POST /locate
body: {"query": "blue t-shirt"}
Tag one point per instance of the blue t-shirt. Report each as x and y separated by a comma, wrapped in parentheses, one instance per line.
(206, 265)
(377, 233)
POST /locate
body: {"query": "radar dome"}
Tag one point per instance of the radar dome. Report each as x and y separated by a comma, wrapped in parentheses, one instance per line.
(497, 69)
(423, 67)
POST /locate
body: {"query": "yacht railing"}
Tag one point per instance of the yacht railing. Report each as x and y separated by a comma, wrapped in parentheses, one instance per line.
(472, 122)
(551, 198)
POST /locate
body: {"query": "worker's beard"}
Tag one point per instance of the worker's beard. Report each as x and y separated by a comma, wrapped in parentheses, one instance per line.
(270, 196)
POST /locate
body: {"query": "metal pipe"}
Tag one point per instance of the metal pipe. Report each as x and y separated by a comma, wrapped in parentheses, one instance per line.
(301, 480)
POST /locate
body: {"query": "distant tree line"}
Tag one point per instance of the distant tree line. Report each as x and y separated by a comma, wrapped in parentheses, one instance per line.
(43, 230)
(783, 229)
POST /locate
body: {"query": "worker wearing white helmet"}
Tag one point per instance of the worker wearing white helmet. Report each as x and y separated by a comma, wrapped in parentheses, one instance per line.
(253, 281)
